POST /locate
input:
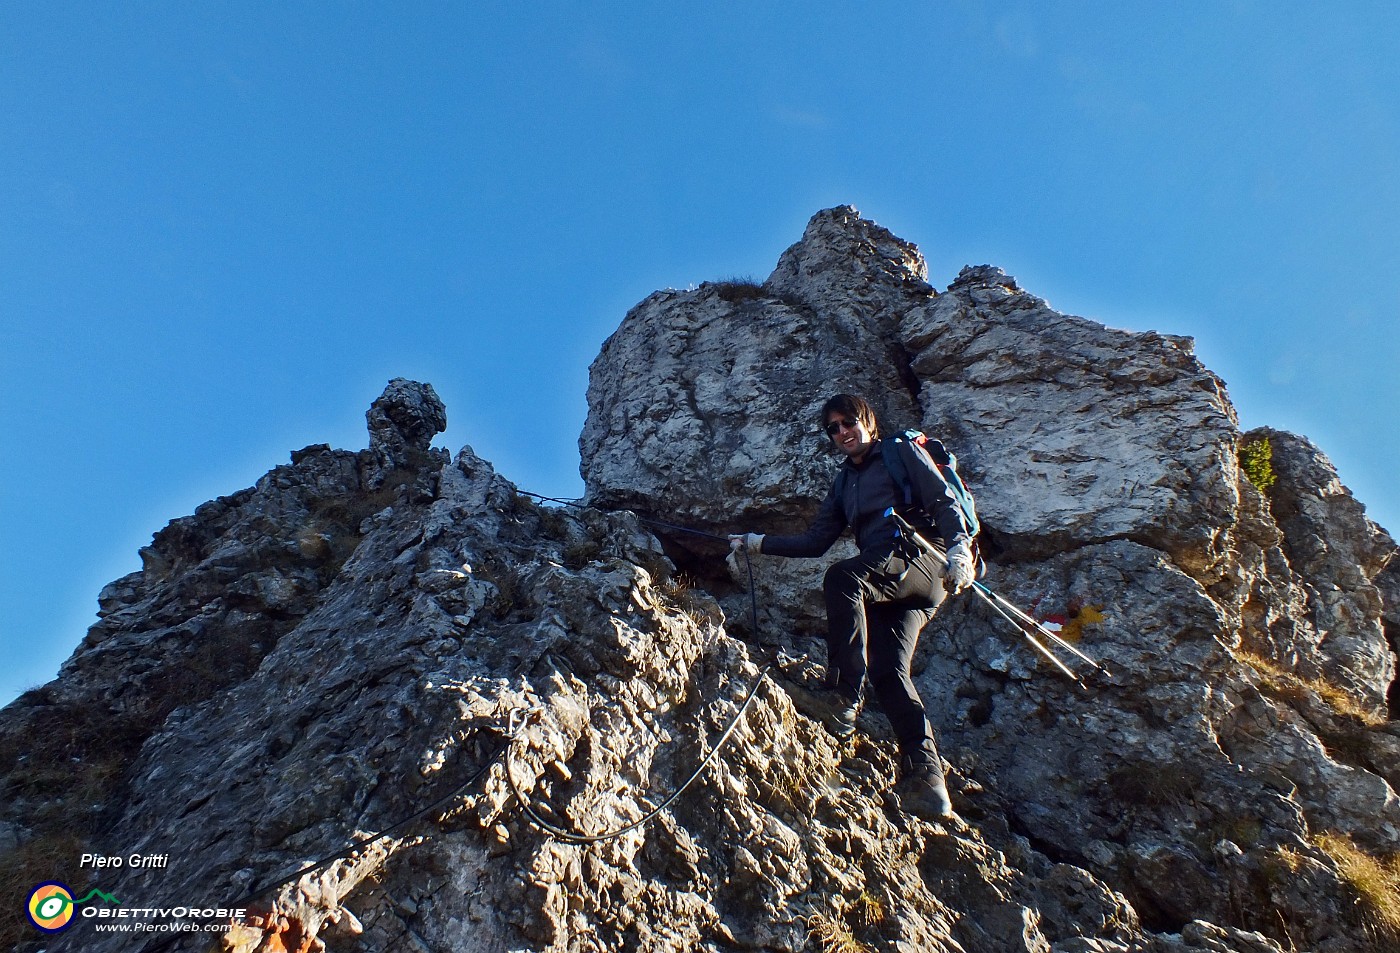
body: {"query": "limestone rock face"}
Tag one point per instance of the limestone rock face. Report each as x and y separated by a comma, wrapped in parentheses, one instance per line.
(385, 702)
(1075, 433)
(1245, 715)
(703, 404)
(1339, 555)
(403, 422)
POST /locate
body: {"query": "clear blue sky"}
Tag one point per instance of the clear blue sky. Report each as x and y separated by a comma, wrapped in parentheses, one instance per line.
(224, 226)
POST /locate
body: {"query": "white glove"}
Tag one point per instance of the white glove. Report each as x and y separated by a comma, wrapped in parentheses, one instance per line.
(961, 570)
(750, 542)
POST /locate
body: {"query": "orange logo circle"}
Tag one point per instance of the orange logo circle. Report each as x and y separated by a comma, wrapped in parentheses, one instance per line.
(51, 906)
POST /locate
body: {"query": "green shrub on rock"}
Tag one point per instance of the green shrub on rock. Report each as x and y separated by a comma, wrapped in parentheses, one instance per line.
(1257, 461)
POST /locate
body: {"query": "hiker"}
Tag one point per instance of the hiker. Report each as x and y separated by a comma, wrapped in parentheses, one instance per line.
(879, 601)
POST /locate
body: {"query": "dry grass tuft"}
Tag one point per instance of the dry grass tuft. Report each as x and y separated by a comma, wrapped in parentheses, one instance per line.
(691, 600)
(1291, 687)
(735, 290)
(867, 912)
(44, 858)
(833, 935)
(1290, 859)
(1376, 881)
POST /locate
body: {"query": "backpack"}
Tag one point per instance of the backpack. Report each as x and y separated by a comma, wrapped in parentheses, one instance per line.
(947, 467)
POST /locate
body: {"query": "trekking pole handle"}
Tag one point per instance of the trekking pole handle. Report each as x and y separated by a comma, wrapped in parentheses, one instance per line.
(910, 532)
(994, 600)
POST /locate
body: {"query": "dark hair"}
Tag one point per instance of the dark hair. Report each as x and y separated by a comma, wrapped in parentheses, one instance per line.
(849, 405)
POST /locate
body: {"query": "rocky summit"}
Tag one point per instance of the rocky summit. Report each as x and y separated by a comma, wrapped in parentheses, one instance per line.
(384, 700)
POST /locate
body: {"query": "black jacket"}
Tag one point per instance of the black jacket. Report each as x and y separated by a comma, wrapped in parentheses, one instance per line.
(868, 493)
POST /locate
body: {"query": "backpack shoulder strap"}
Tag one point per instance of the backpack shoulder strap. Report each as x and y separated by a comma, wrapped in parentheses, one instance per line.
(948, 470)
(894, 461)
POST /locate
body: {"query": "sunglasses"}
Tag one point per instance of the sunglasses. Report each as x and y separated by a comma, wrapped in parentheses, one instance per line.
(835, 427)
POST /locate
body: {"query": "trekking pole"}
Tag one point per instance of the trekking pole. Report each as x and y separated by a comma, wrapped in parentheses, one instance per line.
(1051, 633)
(1024, 624)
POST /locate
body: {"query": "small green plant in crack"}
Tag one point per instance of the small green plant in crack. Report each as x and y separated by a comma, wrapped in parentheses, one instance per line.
(1257, 461)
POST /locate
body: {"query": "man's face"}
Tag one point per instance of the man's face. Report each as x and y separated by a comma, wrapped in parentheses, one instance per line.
(849, 435)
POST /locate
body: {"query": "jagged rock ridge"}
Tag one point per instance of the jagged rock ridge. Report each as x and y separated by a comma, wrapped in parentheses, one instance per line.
(323, 654)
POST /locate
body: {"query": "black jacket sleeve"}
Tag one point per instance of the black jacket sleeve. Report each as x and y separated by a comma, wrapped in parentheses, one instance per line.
(825, 529)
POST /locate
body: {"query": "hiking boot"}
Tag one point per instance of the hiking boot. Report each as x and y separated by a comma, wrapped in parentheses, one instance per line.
(835, 709)
(923, 793)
